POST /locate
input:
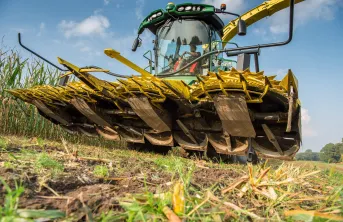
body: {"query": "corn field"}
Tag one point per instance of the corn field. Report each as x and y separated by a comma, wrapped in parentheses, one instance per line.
(22, 119)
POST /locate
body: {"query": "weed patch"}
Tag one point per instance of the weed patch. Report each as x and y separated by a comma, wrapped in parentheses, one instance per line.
(10, 212)
(45, 162)
(3, 143)
(101, 171)
(145, 208)
(8, 165)
(179, 167)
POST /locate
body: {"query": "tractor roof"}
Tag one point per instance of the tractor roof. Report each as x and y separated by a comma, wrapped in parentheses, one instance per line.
(200, 12)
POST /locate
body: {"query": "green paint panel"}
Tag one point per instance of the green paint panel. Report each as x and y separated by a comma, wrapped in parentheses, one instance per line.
(205, 10)
(189, 80)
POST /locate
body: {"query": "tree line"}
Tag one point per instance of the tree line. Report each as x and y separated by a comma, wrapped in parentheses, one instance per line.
(330, 153)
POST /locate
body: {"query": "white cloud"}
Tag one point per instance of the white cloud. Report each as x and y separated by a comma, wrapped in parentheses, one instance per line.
(89, 50)
(93, 25)
(307, 129)
(305, 117)
(139, 9)
(85, 49)
(304, 12)
(106, 2)
(41, 28)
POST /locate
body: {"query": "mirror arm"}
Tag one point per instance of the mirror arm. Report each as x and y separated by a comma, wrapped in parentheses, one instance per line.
(257, 65)
(39, 56)
(229, 13)
(241, 23)
(232, 43)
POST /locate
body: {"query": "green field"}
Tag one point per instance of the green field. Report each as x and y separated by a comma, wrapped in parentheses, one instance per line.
(321, 165)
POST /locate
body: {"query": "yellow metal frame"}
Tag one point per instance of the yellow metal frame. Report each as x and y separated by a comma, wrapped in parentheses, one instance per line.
(116, 55)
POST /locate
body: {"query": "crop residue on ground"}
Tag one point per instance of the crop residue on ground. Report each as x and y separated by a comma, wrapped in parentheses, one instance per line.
(92, 183)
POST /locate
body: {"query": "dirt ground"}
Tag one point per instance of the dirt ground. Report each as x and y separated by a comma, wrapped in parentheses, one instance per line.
(65, 177)
(132, 173)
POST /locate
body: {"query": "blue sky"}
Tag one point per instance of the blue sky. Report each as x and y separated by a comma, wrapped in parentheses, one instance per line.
(79, 30)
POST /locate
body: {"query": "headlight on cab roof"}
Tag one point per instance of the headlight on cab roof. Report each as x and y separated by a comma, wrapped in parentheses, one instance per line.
(188, 8)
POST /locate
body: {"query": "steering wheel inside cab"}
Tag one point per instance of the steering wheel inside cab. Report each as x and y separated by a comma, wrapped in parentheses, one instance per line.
(185, 56)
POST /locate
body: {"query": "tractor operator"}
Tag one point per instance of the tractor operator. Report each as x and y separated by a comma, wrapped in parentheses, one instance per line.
(183, 61)
(193, 53)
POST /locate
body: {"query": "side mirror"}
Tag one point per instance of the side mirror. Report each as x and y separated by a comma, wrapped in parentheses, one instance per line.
(242, 27)
(136, 44)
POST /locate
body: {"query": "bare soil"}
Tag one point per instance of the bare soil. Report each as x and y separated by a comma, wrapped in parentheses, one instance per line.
(77, 188)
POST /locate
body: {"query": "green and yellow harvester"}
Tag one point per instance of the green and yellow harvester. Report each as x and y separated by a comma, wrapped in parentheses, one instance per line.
(192, 94)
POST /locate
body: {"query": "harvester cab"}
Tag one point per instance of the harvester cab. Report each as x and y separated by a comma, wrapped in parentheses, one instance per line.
(190, 95)
(184, 33)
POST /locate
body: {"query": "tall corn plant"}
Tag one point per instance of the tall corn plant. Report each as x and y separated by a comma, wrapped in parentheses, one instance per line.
(16, 72)
(20, 118)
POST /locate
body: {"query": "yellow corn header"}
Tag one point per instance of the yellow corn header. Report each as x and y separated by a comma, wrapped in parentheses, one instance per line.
(192, 100)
